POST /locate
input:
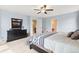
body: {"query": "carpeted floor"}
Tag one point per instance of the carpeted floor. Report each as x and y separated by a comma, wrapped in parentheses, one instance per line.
(17, 46)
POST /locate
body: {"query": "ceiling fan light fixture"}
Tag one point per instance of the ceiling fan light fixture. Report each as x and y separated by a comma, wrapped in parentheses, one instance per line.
(43, 9)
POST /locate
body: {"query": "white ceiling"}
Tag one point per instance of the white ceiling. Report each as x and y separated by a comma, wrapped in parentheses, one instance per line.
(28, 9)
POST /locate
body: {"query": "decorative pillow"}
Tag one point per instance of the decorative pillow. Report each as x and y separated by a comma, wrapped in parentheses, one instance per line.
(76, 30)
(75, 35)
(69, 34)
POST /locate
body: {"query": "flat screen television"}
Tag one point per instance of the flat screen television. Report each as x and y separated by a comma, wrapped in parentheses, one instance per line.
(16, 23)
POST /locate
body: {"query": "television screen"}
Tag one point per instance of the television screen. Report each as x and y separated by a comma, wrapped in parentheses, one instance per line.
(16, 23)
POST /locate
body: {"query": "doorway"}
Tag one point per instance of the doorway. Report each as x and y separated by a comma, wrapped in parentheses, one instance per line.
(54, 25)
(34, 25)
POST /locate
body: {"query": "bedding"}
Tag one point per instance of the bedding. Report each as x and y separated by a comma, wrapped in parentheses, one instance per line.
(60, 43)
(39, 38)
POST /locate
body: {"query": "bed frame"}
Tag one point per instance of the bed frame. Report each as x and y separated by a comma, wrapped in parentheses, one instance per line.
(40, 49)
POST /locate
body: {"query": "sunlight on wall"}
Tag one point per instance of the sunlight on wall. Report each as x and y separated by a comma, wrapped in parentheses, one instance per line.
(54, 25)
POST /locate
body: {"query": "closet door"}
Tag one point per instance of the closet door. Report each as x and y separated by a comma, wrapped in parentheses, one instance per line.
(36, 26)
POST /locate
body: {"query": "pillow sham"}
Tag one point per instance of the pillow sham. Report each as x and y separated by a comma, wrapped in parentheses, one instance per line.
(69, 34)
(75, 35)
(76, 30)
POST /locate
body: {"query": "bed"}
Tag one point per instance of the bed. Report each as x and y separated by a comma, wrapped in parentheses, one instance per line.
(39, 38)
(37, 41)
(56, 42)
(60, 43)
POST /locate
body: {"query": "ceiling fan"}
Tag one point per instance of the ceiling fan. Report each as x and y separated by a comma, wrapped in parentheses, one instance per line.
(43, 9)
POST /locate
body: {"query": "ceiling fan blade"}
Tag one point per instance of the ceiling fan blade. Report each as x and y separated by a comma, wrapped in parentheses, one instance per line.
(49, 9)
(45, 12)
(45, 6)
(38, 12)
(37, 9)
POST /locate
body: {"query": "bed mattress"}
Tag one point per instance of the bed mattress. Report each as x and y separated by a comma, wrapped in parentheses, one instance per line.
(60, 43)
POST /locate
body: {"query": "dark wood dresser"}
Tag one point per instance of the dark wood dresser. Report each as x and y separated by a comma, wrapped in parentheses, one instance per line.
(16, 34)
